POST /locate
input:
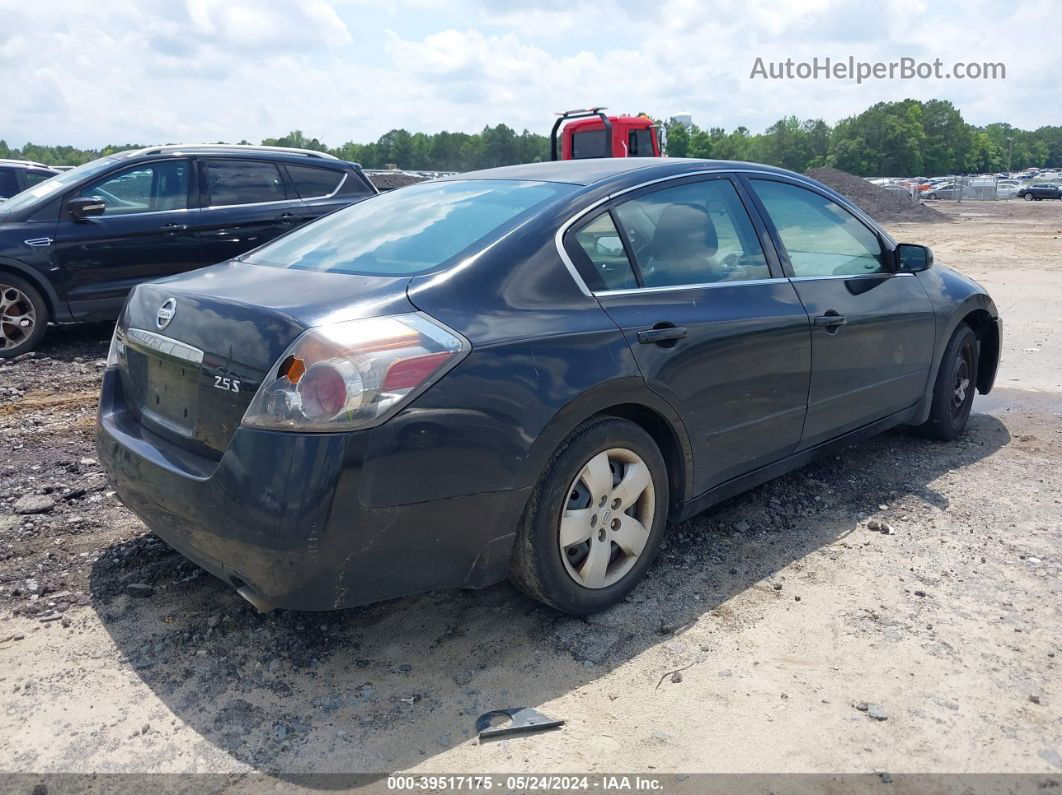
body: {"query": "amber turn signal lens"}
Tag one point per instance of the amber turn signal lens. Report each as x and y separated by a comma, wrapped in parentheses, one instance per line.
(293, 369)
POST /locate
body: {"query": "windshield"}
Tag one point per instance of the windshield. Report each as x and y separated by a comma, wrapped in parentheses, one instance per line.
(56, 184)
(410, 230)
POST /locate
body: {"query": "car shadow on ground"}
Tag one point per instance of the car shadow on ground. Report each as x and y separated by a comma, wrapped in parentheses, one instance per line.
(387, 686)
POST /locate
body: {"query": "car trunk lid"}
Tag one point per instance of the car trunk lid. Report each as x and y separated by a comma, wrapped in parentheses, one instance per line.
(197, 346)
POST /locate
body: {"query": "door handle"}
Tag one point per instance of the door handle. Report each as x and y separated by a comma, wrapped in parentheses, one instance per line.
(655, 336)
(831, 320)
(173, 229)
(286, 218)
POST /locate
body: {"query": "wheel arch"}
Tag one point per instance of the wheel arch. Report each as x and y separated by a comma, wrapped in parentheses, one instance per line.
(51, 298)
(629, 399)
(988, 346)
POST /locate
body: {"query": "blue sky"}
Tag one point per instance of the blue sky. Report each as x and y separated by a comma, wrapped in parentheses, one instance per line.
(112, 71)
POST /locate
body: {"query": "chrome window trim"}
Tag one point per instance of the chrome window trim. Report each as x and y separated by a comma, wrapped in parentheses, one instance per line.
(342, 182)
(251, 204)
(558, 238)
(703, 285)
(163, 345)
(148, 212)
(877, 275)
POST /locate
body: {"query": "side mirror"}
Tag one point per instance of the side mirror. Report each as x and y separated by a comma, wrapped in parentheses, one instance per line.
(86, 207)
(913, 258)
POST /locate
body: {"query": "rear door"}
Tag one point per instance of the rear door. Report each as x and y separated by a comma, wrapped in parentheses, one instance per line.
(246, 203)
(145, 233)
(715, 327)
(872, 334)
(325, 190)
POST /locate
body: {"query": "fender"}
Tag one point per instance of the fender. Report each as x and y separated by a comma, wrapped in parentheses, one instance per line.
(56, 306)
(953, 297)
(630, 391)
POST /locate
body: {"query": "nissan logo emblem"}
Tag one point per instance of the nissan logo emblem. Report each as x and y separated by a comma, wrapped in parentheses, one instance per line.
(166, 313)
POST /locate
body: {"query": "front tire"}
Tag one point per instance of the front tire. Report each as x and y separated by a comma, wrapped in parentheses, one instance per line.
(595, 519)
(23, 316)
(1028, 197)
(953, 392)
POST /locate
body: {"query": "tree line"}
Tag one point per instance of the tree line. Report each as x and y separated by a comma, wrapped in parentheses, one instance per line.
(903, 138)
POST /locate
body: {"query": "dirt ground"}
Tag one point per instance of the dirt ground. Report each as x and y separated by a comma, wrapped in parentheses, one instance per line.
(805, 640)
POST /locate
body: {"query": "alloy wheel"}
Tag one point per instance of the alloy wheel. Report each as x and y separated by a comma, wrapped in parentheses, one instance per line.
(961, 380)
(18, 318)
(606, 521)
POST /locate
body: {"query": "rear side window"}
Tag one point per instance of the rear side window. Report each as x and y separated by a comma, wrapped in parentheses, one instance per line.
(601, 242)
(232, 182)
(411, 230)
(697, 233)
(312, 183)
(820, 236)
(8, 182)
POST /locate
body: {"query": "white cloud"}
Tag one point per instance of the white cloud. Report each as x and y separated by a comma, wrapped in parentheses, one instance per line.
(151, 71)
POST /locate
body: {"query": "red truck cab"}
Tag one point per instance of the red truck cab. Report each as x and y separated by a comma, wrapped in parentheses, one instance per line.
(590, 133)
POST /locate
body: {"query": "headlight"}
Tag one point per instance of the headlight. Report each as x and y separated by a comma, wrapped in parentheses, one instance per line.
(353, 374)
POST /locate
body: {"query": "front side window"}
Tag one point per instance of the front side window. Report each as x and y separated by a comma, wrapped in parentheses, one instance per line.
(231, 182)
(696, 233)
(820, 236)
(411, 230)
(152, 187)
(312, 183)
(601, 242)
(640, 143)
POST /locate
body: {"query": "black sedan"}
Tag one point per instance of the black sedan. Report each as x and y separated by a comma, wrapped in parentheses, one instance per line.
(523, 372)
(1039, 192)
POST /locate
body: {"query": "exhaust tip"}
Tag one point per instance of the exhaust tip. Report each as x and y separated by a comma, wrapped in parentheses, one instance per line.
(253, 597)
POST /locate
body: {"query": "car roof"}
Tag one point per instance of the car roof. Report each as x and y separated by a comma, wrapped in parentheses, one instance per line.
(23, 164)
(600, 169)
(290, 154)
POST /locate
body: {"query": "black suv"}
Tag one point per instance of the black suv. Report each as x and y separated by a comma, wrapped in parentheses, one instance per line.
(73, 246)
(18, 175)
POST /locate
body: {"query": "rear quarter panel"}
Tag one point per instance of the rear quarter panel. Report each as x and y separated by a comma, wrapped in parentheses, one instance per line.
(544, 358)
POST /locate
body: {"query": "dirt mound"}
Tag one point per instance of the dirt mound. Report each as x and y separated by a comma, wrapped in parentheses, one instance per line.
(884, 206)
(389, 180)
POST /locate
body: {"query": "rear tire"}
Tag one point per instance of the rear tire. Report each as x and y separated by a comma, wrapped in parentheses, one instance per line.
(594, 521)
(953, 392)
(23, 316)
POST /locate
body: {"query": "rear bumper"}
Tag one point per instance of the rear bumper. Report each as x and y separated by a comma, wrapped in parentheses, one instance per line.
(279, 516)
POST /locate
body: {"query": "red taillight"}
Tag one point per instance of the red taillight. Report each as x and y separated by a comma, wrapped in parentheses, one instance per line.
(323, 392)
(411, 373)
(353, 374)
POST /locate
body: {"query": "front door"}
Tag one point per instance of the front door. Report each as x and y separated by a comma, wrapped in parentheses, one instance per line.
(145, 233)
(872, 328)
(716, 332)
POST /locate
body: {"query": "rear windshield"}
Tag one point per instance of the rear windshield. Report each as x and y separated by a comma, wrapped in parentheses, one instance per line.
(410, 230)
